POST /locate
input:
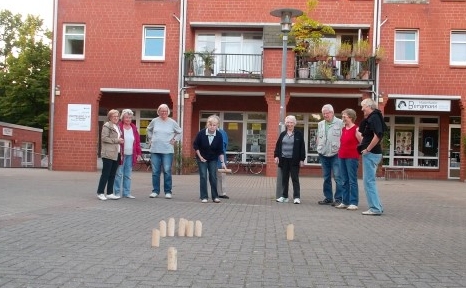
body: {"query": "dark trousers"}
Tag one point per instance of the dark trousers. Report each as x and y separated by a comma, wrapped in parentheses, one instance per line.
(209, 167)
(289, 170)
(107, 178)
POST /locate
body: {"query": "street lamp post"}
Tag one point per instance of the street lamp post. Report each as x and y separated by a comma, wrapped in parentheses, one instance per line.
(285, 14)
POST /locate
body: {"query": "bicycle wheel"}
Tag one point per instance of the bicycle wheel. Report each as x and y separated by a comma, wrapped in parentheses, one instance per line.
(233, 165)
(256, 166)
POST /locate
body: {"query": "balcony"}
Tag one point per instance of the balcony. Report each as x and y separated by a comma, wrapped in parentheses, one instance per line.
(225, 68)
(334, 72)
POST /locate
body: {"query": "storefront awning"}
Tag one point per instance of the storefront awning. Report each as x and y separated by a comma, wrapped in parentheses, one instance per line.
(135, 90)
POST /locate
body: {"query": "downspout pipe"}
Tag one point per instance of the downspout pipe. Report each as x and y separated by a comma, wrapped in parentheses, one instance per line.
(181, 63)
(375, 44)
(53, 84)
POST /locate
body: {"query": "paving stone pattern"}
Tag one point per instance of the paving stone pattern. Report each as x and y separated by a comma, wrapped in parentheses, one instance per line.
(54, 232)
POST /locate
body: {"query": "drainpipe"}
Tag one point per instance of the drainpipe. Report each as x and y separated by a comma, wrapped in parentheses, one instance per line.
(54, 84)
(181, 64)
(375, 44)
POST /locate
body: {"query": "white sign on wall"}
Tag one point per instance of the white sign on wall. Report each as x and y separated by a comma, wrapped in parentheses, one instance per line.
(423, 105)
(7, 131)
(79, 117)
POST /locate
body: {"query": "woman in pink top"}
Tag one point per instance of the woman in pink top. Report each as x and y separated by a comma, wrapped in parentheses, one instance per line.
(349, 160)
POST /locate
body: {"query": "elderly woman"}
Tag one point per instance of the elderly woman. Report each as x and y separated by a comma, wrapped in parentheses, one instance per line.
(163, 132)
(208, 145)
(349, 161)
(110, 152)
(131, 150)
(289, 154)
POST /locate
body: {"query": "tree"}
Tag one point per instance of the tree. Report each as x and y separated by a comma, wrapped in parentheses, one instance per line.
(25, 71)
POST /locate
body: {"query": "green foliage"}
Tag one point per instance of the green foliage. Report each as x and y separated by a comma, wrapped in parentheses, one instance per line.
(209, 59)
(307, 29)
(362, 49)
(25, 71)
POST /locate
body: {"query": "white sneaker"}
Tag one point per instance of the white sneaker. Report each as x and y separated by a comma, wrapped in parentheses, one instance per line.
(297, 201)
(130, 196)
(168, 196)
(282, 200)
(153, 195)
(113, 197)
(101, 197)
(204, 200)
(341, 206)
(352, 207)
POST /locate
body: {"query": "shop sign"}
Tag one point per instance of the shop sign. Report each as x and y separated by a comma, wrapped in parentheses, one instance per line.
(423, 105)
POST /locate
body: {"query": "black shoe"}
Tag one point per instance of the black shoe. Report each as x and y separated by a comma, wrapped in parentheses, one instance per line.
(325, 202)
(224, 197)
(336, 203)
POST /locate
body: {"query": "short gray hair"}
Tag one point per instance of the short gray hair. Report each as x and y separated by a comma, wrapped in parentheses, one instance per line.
(369, 103)
(126, 112)
(291, 117)
(162, 106)
(327, 107)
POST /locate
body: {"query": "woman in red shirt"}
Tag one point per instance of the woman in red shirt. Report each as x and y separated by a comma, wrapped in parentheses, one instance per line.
(349, 160)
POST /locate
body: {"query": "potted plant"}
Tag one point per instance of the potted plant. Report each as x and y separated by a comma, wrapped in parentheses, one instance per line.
(362, 50)
(322, 50)
(326, 71)
(189, 56)
(379, 54)
(209, 60)
(346, 71)
(343, 51)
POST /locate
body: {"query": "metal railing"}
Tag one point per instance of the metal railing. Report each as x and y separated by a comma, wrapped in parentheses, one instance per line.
(331, 68)
(20, 158)
(224, 65)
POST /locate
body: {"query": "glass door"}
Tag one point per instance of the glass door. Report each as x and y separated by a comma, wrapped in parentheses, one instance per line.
(454, 152)
(5, 154)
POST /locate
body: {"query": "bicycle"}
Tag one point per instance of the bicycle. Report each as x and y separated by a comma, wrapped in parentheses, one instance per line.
(143, 161)
(254, 164)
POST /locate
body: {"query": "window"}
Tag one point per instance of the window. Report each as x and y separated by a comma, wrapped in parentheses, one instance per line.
(73, 41)
(414, 142)
(406, 47)
(458, 48)
(236, 52)
(153, 46)
(28, 154)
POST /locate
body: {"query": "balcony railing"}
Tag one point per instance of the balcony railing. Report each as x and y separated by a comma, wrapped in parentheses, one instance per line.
(225, 66)
(333, 69)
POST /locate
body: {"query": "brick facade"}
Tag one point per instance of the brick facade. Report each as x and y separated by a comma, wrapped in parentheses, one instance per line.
(113, 60)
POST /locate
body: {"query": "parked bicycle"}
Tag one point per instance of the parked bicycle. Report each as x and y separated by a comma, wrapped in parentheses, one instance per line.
(254, 164)
(144, 161)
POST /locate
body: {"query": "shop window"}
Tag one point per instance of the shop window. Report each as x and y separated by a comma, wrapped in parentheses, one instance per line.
(413, 143)
(73, 41)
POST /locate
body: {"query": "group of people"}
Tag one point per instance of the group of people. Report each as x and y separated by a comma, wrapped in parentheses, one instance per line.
(121, 149)
(340, 143)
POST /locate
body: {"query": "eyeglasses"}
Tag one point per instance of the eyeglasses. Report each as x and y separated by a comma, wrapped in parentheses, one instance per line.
(163, 111)
(114, 116)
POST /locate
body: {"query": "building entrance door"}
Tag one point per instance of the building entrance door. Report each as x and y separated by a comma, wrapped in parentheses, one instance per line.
(454, 151)
(5, 153)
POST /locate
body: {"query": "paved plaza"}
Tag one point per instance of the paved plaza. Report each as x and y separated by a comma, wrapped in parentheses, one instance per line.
(54, 232)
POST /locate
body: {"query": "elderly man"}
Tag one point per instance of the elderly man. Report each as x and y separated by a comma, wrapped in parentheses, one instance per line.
(372, 129)
(328, 144)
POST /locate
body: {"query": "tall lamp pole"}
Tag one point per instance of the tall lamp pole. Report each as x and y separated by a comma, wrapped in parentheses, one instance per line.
(285, 14)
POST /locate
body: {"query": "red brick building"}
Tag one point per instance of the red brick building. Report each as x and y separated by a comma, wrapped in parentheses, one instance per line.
(127, 55)
(20, 146)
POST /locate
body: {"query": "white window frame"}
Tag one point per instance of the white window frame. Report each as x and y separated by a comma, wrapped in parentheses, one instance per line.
(462, 43)
(144, 38)
(64, 40)
(416, 47)
(28, 154)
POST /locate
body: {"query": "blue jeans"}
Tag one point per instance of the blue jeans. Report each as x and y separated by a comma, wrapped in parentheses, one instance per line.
(159, 161)
(211, 167)
(349, 180)
(369, 168)
(331, 165)
(123, 175)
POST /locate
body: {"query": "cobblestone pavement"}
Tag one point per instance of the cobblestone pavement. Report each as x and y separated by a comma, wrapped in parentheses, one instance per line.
(54, 232)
